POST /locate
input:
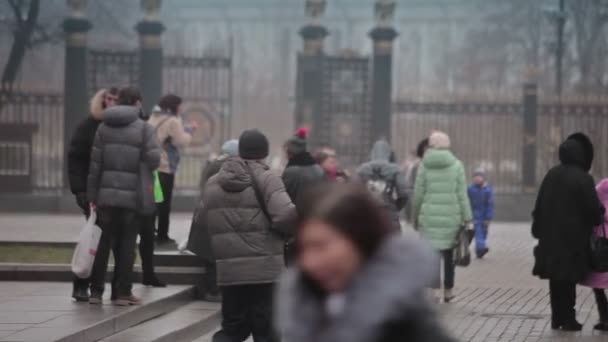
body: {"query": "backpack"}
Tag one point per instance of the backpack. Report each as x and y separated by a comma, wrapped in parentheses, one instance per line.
(382, 188)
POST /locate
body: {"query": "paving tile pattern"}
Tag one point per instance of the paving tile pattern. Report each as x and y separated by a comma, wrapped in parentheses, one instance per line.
(498, 299)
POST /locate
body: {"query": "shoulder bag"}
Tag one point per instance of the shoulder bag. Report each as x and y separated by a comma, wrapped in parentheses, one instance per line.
(599, 251)
(288, 250)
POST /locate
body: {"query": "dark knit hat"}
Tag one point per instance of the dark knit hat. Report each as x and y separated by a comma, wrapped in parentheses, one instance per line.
(297, 144)
(253, 145)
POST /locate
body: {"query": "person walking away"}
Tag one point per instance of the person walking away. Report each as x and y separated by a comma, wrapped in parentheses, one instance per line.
(355, 280)
(172, 134)
(79, 158)
(566, 210)
(598, 281)
(146, 235)
(302, 169)
(125, 153)
(441, 205)
(301, 173)
(249, 215)
(410, 177)
(481, 197)
(385, 180)
(199, 240)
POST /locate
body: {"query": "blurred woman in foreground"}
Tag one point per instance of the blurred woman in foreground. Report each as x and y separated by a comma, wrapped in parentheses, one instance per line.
(354, 280)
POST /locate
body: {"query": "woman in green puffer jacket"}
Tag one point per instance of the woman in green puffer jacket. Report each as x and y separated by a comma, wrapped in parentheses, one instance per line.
(441, 204)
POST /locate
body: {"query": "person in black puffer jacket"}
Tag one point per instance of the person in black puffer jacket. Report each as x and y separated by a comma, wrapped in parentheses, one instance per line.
(79, 158)
(302, 169)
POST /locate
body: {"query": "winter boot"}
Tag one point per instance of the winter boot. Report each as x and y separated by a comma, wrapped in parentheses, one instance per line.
(448, 295)
(127, 301)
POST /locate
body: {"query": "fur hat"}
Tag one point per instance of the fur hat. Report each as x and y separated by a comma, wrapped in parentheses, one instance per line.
(253, 145)
(298, 143)
(439, 140)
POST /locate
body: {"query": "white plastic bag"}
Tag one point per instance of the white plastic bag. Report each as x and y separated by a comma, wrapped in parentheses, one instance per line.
(84, 254)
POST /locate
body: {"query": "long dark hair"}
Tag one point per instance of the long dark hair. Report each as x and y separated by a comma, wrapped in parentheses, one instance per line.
(350, 210)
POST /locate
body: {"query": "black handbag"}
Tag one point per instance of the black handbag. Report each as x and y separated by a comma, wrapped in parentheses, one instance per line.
(288, 253)
(462, 253)
(599, 251)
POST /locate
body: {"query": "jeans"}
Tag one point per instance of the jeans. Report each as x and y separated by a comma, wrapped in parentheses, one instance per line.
(449, 270)
(563, 300)
(602, 304)
(167, 181)
(246, 310)
(119, 231)
(146, 246)
(481, 235)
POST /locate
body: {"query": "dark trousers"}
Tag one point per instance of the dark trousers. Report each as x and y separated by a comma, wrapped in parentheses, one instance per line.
(563, 300)
(449, 270)
(602, 304)
(164, 209)
(119, 232)
(146, 246)
(246, 310)
(210, 278)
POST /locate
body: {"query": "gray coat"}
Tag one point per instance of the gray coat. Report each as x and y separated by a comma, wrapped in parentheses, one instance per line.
(381, 167)
(124, 147)
(384, 302)
(247, 248)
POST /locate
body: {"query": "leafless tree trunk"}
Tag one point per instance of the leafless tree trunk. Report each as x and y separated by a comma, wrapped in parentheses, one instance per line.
(24, 30)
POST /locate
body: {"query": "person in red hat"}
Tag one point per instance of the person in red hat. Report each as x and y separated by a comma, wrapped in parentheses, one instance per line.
(302, 169)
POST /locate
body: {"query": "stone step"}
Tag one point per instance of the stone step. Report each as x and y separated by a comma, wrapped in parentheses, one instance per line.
(62, 272)
(182, 325)
(174, 258)
(45, 312)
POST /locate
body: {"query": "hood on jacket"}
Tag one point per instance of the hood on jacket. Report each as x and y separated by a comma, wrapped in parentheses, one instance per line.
(233, 176)
(382, 151)
(386, 288)
(438, 159)
(119, 116)
(96, 105)
(586, 159)
(231, 148)
(602, 190)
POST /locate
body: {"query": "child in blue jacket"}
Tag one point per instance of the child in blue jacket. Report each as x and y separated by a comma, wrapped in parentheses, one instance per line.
(481, 197)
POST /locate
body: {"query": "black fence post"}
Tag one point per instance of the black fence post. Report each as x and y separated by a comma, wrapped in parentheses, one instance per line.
(383, 36)
(75, 92)
(150, 30)
(530, 113)
(310, 72)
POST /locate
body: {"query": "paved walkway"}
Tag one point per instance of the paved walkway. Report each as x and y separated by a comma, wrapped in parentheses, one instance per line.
(498, 300)
(497, 297)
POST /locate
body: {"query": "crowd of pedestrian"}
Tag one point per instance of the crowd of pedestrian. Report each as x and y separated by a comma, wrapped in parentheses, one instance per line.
(338, 235)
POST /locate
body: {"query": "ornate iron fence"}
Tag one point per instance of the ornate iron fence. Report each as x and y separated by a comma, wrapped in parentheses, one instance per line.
(205, 84)
(483, 135)
(37, 163)
(490, 135)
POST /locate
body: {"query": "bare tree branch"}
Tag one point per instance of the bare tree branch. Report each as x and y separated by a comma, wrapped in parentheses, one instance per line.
(16, 7)
(22, 36)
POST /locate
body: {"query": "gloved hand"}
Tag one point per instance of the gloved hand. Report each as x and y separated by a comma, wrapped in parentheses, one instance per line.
(486, 224)
(81, 200)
